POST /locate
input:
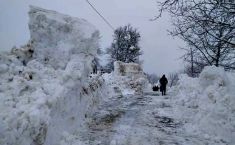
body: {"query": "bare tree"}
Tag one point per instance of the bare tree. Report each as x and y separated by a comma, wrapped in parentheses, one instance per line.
(207, 27)
(173, 79)
(153, 78)
(193, 63)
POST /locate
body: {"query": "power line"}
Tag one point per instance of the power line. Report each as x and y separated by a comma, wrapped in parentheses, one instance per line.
(106, 21)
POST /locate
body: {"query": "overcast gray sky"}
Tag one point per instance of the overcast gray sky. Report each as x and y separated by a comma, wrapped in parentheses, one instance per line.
(161, 51)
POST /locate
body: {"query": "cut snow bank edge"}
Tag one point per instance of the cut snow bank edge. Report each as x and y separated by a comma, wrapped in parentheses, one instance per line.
(212, 99)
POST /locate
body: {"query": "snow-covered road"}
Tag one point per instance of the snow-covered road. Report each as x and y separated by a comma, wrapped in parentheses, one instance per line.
(139, 120)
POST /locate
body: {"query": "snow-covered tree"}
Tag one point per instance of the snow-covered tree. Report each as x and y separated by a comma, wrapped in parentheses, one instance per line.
(125, 46)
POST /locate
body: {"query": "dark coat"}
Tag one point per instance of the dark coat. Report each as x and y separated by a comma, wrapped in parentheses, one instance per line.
(163, 81)
(161, 88)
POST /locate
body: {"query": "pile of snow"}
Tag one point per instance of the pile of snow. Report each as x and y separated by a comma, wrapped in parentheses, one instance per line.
(211, 101)
(45, 89)
(127, 79)
(62, 34)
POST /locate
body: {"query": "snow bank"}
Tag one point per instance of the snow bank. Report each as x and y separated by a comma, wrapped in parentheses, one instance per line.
(127, 79)
(53, 32)
(45, 91)
(213, 76)
(211, 98)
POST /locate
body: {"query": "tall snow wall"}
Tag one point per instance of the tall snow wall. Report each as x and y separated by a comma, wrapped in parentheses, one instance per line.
(45, 90)
(211, 98)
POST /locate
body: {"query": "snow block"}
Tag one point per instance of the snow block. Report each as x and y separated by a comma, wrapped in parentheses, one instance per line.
(127, 69)
(129, 78)
(56, 36)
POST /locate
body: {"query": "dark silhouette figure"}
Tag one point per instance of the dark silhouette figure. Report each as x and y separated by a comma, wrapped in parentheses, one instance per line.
(163, 83)
(94, 67)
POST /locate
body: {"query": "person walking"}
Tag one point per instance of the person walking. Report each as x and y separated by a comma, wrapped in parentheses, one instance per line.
(163, 82)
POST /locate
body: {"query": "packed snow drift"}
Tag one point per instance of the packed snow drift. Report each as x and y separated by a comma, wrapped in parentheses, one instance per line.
(207, 104)
(45, 89)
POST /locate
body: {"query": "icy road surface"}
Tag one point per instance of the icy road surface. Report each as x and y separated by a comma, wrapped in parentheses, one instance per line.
(140, 120)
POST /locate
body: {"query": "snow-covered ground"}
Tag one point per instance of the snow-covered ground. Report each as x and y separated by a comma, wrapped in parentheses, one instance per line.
(198, 111)
(49, 97)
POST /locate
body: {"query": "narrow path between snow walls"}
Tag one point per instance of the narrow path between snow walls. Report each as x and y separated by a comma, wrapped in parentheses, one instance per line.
(197, 111)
